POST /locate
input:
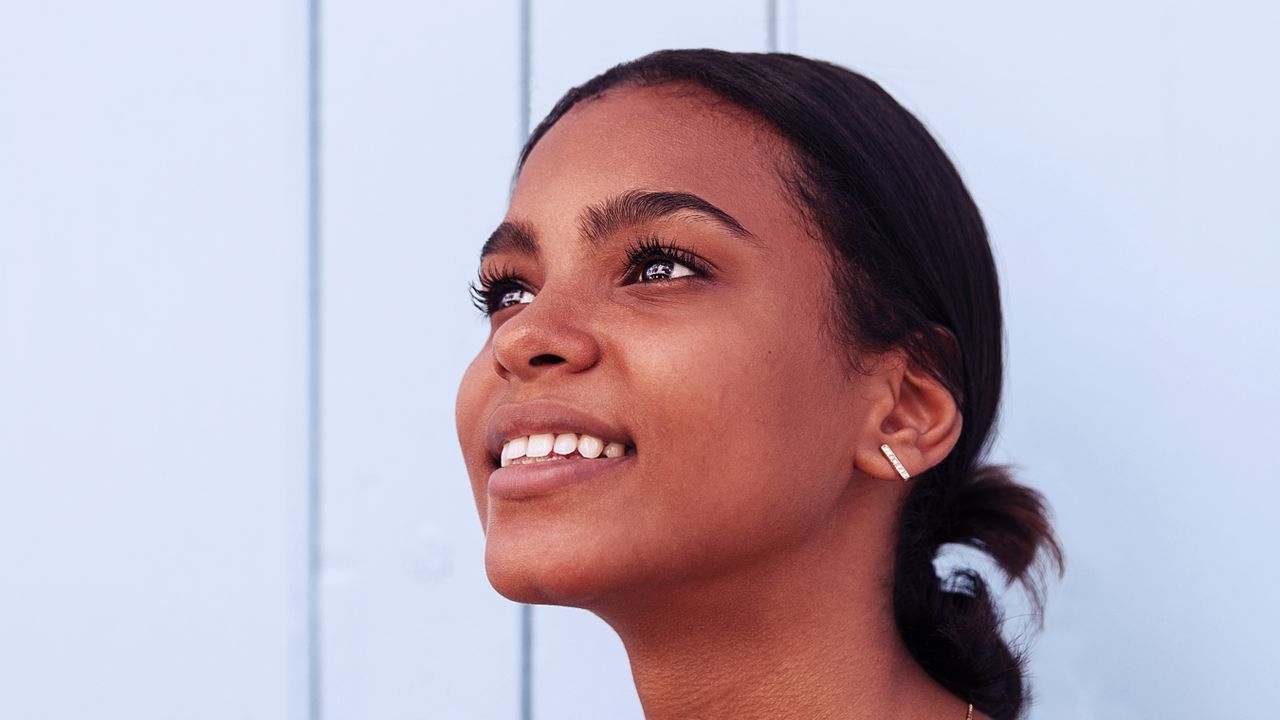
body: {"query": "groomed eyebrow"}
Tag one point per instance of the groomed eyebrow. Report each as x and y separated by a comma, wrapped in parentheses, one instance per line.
(628, 209)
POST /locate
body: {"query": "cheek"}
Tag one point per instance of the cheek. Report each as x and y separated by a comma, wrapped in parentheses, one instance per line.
(472, 405)
(747, 456)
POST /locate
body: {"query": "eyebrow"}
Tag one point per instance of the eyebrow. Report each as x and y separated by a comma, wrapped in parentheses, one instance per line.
(628, 209)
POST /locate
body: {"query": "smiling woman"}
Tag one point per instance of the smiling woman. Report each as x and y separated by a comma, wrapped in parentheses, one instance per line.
(744, 361)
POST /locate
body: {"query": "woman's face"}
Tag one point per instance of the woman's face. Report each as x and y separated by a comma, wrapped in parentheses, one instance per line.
(713, 366)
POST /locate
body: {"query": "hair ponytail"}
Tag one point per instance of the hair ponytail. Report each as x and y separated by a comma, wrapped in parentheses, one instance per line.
(910, 255)
(951, 625)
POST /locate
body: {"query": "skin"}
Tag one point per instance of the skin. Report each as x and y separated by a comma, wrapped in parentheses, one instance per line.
(745, 558)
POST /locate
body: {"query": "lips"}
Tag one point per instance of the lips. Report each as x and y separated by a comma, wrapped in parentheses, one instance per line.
(543, 417)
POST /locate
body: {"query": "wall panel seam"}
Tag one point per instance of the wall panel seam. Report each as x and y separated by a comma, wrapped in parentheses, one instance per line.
(314, 676)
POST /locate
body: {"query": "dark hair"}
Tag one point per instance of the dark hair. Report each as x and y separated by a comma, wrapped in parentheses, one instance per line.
(913, 270)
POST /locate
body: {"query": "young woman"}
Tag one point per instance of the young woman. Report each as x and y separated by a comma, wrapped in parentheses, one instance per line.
(745, 358)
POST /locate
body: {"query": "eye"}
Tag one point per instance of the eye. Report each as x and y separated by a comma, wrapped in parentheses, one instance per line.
(494, 291)
(660, 261)
(516, 296)
(663, 270)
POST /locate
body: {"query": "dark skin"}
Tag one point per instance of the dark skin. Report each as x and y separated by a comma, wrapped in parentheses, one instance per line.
(745, 557)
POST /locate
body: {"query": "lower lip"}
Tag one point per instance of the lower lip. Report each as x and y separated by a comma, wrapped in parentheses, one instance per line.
(525, 480)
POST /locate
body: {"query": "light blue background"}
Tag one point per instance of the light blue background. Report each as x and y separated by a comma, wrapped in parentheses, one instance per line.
(162, 493)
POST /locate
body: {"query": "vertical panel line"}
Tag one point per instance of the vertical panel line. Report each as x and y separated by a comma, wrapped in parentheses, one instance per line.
(314, 677)
(525, 70)
(771, 25)
(526, 662)
(526, 611)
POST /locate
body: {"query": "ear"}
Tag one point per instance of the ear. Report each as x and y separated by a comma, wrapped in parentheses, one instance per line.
(914, 414)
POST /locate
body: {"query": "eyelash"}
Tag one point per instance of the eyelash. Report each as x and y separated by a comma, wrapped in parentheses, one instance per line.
(489, 287)
(492, 285)
(650, 248)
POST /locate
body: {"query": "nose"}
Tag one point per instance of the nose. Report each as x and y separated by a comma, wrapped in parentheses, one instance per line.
(550, 334)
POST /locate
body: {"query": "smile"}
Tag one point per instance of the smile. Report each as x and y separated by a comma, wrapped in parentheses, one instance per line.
(547, 447)
(541, 476)
(541, 445)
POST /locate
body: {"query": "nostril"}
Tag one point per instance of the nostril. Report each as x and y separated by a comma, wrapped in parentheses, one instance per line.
(546, 359)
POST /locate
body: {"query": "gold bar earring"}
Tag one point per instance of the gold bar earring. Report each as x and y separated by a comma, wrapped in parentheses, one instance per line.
(897, 465)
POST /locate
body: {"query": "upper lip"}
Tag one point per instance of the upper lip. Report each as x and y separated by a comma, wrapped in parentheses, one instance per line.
(533, 417)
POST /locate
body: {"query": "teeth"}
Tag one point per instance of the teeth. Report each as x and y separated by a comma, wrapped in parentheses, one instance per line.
(565, 443)
(548, 446)
(513, 449)
(540, 445)
(590, 447)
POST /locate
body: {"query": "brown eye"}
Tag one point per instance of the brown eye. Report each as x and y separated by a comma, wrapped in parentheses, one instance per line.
(663, 269)
(514, 296)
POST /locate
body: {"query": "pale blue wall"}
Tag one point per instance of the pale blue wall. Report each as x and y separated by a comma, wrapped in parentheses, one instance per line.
(156, 346)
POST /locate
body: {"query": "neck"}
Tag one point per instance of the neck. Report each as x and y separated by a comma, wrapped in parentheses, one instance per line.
(805, 633)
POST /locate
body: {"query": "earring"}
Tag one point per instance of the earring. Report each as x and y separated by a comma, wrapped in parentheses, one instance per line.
(897, 465)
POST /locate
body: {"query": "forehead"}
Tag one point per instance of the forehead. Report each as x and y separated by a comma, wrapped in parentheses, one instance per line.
(676, 138)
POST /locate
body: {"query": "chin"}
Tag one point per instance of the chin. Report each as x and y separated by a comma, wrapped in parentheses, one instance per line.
(543, 568)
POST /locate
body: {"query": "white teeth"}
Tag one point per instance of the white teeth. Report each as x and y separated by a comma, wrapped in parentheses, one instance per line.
(540, 445)
(556, 446)
(565, 443)
(513, 449)
(590, 447)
